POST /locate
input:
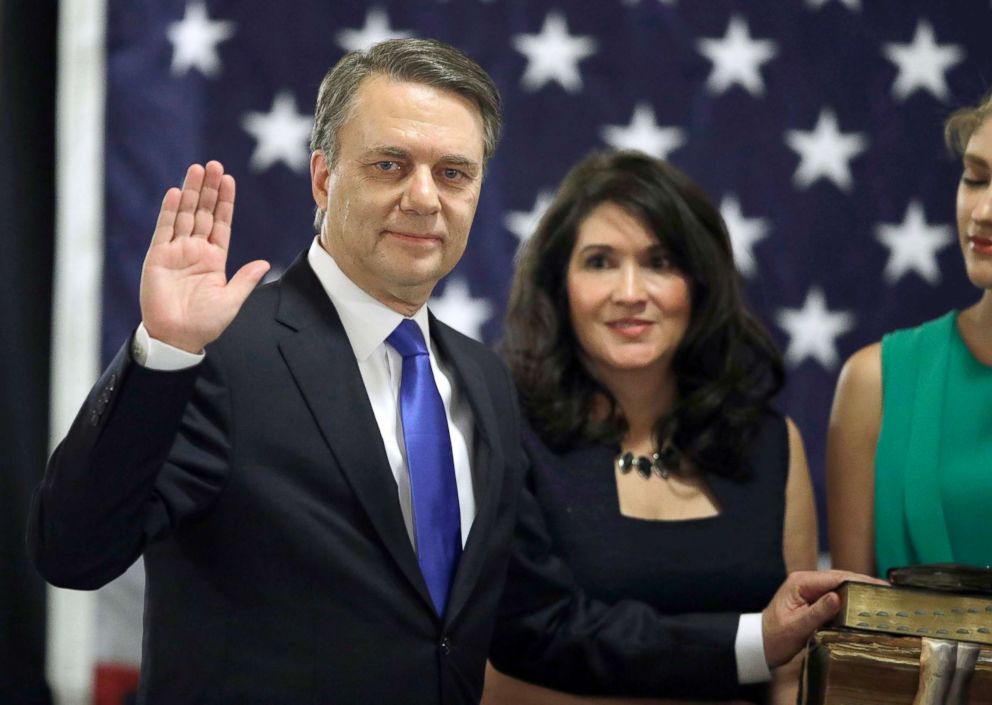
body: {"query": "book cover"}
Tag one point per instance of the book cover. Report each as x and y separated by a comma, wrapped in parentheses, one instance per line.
(903, 610)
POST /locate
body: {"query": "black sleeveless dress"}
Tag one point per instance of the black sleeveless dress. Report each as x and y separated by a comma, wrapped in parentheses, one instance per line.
(728, 563)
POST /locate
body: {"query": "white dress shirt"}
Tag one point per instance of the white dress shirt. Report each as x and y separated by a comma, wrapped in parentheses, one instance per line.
(368, 323)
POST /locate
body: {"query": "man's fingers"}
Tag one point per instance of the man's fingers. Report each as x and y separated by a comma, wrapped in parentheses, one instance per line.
(203, 220)
(187, 203)
(803, 604)
(786, 627)
(223, 213)
(166, 217)
(811, 584)
(860, 577)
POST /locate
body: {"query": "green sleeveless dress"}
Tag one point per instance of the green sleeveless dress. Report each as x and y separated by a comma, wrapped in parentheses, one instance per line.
(933, 462)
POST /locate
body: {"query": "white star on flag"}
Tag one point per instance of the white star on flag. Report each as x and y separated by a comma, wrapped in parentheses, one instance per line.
(458, 309)
(194, 41)
(524, 223)
(922, 63)
(553, 55)
(825, 152)
(644, 133)
(281, 135)
(813, 330)
(913, 245)
(849, 4)
(376, 30)
(737, 58)
(744, 234)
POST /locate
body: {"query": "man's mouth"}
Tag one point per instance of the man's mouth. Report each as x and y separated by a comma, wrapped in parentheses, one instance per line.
(415, 237)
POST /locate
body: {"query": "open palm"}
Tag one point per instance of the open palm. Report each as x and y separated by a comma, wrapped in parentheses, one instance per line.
(186, 298)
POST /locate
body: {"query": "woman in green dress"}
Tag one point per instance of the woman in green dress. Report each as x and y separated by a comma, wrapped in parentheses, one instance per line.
(909, 452)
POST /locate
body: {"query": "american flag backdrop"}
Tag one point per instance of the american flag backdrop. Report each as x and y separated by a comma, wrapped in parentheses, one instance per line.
(815, 125)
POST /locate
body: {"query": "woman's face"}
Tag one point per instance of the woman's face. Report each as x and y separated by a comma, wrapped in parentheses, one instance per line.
(630, 306)
(974, 207)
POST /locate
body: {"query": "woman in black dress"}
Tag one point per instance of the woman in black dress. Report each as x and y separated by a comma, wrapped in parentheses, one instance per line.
(662, 472)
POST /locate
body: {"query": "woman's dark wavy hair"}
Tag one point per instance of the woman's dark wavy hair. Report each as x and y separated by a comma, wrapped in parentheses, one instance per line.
(727, 367)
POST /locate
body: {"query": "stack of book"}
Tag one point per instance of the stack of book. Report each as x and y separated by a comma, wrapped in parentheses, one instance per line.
(871, 652)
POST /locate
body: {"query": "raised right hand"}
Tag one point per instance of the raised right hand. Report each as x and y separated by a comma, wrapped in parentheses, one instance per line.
(186, 298)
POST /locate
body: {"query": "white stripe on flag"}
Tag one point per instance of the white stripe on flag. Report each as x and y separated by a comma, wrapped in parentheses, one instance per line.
(76, 305)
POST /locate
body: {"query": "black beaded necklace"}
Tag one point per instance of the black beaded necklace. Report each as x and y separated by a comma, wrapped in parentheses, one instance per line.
(660, 463)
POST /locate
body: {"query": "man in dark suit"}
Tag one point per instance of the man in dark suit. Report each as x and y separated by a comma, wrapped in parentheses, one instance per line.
(309, 536)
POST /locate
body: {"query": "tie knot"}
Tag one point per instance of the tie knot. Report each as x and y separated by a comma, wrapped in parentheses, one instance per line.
(407, 339)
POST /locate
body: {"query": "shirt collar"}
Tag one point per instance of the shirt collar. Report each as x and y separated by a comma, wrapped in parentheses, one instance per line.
(367, 322)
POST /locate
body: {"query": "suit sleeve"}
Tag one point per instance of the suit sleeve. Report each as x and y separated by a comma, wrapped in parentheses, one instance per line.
(548, 632)
(147, 450)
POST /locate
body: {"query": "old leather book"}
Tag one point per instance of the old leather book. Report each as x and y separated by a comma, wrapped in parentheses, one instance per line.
(920, 612)
(847, 667)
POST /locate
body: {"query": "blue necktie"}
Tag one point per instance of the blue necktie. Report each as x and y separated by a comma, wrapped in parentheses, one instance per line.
(436, 516)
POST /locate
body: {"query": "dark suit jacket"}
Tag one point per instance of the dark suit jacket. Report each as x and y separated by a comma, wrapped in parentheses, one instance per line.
(278, 566)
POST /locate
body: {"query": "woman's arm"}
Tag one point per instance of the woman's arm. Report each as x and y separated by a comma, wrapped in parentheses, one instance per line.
(853, 434)
(799, 541)
(799, 549)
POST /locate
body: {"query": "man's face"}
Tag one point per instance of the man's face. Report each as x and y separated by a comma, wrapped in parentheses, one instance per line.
(401, 197)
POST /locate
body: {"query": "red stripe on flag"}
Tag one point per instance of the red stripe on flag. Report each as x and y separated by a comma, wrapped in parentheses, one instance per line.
(114, 682)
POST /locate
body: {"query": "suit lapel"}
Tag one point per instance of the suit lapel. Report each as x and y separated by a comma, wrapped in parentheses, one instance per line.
(322, 362)
(487, 462)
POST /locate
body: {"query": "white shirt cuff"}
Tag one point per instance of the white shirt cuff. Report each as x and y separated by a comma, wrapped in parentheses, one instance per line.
(749, 648)
(156, 355)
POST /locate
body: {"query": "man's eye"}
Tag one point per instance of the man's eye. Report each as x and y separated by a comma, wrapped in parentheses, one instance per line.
(387, 166)
(453, 174)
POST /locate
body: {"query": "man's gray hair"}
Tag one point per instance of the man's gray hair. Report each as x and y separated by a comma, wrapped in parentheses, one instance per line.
(425, 61)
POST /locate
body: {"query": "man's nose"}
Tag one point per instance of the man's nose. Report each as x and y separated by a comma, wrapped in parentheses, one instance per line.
(420, 193)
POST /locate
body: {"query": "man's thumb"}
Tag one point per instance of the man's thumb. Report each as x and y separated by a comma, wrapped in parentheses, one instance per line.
(822, 610)
(247, 278)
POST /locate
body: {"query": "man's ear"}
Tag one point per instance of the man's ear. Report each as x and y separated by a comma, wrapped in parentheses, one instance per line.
(319, 173)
